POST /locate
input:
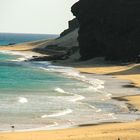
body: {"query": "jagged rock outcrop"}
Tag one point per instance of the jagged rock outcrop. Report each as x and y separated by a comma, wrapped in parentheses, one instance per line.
(109, 28)
(58, 49)
(73, 24)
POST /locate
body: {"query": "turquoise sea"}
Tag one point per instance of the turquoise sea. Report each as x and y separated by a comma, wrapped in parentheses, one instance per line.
(13, 38)
(34, 95)
(39, 96)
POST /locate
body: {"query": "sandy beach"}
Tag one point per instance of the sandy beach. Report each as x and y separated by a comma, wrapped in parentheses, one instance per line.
(112, 131)
(119, 131)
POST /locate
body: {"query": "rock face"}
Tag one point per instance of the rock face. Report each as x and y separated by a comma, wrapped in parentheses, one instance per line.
(109, 28)
(73, 24)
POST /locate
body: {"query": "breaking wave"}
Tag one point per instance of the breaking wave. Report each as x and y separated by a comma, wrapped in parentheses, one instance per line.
(62, 113)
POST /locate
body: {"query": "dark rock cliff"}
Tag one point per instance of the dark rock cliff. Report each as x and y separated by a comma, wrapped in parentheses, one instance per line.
(73, 24)
(109, 28)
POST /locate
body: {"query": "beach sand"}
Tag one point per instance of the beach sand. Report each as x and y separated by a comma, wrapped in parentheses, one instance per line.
(112, 131)
(25, 49)
(135, 100)
(116, 131)
(29, 46)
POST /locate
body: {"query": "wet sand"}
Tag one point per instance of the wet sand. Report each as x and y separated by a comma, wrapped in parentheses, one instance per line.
(116, 131)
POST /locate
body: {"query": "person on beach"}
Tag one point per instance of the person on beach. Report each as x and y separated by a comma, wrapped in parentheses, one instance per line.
(13, 128)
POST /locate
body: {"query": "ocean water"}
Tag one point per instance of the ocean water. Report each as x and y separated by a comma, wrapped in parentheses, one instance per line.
(39, 96)
(13, 38)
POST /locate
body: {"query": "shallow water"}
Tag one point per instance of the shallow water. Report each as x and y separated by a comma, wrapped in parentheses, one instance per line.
(38, 95)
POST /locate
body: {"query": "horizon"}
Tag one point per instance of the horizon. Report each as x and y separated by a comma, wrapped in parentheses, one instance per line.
(27, 33)
(39, 17)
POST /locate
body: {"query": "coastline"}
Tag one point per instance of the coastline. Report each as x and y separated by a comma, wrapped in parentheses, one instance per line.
(129, 131)
(108, 131)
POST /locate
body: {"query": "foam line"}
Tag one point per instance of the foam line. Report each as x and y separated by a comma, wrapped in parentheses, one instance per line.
(72, 73)
(22, 100)
(77, 98)
(59, 90)
(62, 113)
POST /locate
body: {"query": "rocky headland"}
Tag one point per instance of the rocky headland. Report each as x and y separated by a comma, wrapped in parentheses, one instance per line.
(109, 28)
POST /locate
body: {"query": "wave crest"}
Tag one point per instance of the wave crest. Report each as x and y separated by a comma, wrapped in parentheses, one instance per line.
(22, 100)
(62, 113)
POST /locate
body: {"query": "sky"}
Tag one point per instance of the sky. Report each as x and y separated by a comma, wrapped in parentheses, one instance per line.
(35, 16)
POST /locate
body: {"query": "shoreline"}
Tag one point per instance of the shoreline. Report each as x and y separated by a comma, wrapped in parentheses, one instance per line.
(114, 131)
(130, 98)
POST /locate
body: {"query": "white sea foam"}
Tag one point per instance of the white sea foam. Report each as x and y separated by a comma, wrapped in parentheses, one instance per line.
(112, 115)
(24, 56)
(62, 113)
(72, 73)
(93, 107)
(60, 90)
(22, 100)
(77, 98)
(13, 53)
(10, 52)
(98, 110)
(109, 95)
(21, 59)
